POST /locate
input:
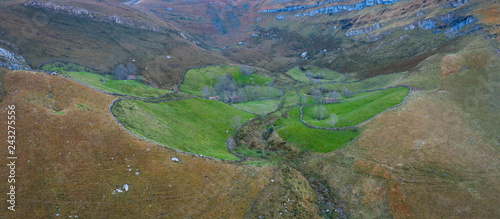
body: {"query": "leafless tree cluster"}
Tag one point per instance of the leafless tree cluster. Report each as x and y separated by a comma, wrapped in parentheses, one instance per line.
(319, 112)
(316, 94)
(346, 92)
(236, 123)
(333, 120)
(122, 71)
(334, 95)
(245, 70)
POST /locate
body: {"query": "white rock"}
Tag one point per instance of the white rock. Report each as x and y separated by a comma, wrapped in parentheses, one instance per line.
(175, 159)
(168, 57)
(304, 54)
(125, 187)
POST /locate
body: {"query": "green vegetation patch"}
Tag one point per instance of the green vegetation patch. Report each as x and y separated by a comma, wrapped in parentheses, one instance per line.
(373, 83)
(193, 125)
(310, 100)
(324, 75)
(356, 111)
(260, 106)
(197, 78)
(61, 67)
(294, 131)
(126, 87)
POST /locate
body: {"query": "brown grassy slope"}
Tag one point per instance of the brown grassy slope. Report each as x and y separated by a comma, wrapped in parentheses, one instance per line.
(422, 160)
(42, 36)
(71, 163)
(435, 156)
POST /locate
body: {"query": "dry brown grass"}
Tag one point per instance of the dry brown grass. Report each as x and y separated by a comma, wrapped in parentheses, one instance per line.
(449, 65)
(491, 17)
(71, 163)
(426, 159)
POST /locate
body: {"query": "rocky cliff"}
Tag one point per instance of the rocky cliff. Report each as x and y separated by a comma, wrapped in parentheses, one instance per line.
(95, 16)
(12, 61)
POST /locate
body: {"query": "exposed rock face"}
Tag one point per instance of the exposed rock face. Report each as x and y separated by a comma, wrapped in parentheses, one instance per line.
(95, 16)
(329, 9)
(456, 25)
(12, 61)
(451, 23)
(427, 24)
(457, 3)
(362, 30)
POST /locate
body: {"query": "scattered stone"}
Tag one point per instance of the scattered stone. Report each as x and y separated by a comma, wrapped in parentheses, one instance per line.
(175, 159)
(125, 187)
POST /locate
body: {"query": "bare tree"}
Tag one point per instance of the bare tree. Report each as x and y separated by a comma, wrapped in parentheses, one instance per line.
(316, 94)
(230, 144)
(345, 90)
(309, 75)
(334, 95)
(120, 72)
(316, 113)
(333, 120)
(245, 70)
(337, 97)
(225, 83)
(242, 94)
(205, 92)
(322, 112)
(236, 122)
(331, 94)
(348, 94)
(132, 70)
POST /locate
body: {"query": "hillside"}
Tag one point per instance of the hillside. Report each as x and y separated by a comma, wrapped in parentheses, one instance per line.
(73, 164)
(251, 109)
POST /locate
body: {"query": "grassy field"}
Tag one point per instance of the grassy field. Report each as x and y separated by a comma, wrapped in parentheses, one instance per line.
(62, 67)
(127, 87)
(194, 125)
(299, 75)
(260, 106)
(377, 82)
(317, 140)
(291, 98)
(310, 100)
(356, 111)
(197, 78)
